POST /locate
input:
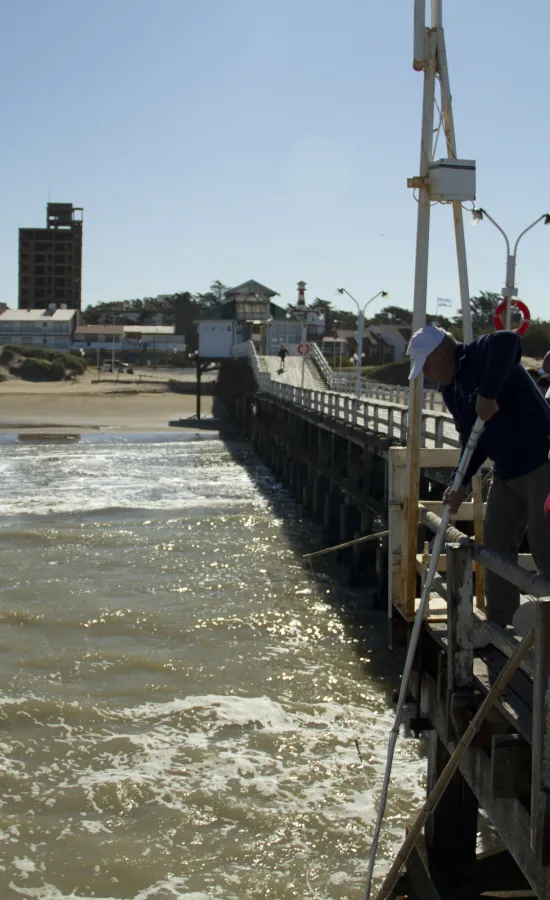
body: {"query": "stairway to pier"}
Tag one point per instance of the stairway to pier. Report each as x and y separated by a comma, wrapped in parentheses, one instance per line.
(292, 373)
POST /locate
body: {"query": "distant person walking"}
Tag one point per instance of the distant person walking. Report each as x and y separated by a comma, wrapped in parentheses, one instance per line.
(282, 354)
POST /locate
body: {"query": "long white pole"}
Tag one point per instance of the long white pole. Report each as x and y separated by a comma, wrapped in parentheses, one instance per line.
(419, 52)
(304, 338)
(360, 336)
(446, 101)
(419, 320)
(411, 652)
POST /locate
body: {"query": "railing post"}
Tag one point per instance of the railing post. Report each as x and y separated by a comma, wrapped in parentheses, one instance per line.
(390, 422)
(354, 404)
(439, 434)
(404, 424)
(460, 617)
(540, 773)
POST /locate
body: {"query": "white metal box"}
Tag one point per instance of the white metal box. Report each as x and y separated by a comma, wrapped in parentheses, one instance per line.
(452, 179)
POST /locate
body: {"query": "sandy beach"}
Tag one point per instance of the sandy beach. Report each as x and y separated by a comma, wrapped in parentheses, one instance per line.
(123, 406)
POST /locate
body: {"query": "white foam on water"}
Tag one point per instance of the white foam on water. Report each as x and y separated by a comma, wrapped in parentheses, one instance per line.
(180, 703)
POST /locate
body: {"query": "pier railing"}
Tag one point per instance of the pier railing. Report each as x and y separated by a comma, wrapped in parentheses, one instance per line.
(343, 383)
(378, 416)
(380, 410)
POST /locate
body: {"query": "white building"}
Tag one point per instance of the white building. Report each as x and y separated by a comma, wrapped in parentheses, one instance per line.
(128, 337)
(50, 329)
(153, 337)
(249, 313)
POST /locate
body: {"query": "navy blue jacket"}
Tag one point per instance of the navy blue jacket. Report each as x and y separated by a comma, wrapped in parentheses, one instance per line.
(517, 438)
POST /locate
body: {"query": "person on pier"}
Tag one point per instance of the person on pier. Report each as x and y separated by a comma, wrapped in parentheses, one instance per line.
(282, 354)
(486, 379)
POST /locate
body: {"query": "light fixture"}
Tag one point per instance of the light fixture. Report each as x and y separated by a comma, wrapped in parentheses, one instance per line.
(477, 216)
(547, 219)
(384, 293)
(340, 290)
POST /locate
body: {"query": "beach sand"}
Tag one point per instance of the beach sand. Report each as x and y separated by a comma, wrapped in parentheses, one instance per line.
(87, 406)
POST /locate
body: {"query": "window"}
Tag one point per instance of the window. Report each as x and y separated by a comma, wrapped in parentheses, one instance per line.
(6, 327)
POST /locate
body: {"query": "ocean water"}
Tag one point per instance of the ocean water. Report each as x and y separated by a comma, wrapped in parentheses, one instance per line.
(184, 710)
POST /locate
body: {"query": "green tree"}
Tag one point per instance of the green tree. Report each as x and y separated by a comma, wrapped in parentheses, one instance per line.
(483, 307)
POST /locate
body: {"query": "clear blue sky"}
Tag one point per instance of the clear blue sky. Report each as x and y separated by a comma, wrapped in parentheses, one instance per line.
(238, 139)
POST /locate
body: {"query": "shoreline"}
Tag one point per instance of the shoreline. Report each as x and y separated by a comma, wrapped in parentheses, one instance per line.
(88, 407)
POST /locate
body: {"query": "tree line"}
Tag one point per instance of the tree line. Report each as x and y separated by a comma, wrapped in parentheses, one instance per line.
(183, 308)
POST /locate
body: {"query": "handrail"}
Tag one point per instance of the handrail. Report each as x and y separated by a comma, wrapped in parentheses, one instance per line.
(528, 582)
(320, 361)
(379, 410)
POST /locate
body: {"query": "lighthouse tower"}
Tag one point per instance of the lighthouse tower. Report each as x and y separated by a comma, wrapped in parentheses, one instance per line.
(301, 304)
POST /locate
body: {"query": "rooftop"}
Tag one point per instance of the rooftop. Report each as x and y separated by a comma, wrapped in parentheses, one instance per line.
(149, 329)
(252, 287)
(83, 330)
(34, 315)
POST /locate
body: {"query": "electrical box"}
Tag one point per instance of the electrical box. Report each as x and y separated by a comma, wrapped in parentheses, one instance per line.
(452, 179)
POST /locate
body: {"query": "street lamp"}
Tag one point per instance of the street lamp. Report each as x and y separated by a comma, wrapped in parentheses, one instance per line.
(509, 290)
(303, 320)
(360, 332)
(335, 323)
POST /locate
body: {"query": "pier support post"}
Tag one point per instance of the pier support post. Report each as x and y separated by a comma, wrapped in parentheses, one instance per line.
(451, 830)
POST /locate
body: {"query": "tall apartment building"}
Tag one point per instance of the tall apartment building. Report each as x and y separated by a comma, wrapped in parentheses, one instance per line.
(50, 260)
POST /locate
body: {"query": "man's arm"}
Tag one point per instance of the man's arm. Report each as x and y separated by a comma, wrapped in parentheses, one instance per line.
(452, 498)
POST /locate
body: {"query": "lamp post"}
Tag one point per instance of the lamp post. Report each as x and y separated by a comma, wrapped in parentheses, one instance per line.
(360, 332)
(303, 321)
(335, 323)
(509, 290)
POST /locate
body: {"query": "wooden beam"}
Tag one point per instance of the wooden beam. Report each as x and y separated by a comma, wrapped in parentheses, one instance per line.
(460, 586)
(540, 773)
(464, 514)
(525, 560)
(510, 765)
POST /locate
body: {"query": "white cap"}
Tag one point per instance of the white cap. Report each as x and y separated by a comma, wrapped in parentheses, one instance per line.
(422, 343)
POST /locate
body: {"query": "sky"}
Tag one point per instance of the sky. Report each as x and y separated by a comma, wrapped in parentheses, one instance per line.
(237, 139)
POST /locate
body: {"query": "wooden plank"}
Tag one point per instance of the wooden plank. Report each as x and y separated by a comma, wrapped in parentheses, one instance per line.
(512, 703)
(465, 513)
(540, 774)
(433, 457)
(525, 560)
(419, 876)
(510, 766)
(460, 589)
(478, 537)
(396, 506)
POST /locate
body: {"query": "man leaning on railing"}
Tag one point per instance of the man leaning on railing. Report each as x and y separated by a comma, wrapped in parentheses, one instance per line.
(486, 379)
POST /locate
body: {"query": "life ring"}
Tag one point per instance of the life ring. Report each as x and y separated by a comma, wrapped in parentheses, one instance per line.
(500, 312)
(303, 351)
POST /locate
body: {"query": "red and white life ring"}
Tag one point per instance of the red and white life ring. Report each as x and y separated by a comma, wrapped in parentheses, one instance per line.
(500, 313)
(303, 350)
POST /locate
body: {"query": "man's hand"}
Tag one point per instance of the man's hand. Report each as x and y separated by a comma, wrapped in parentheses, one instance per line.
(453, 499)
(486, 408)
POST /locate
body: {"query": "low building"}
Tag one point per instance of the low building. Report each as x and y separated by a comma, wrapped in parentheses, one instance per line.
(51, 329)
(249, 313)
(134, 338)
(98, 337)
(153, 337)
(396, 337)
